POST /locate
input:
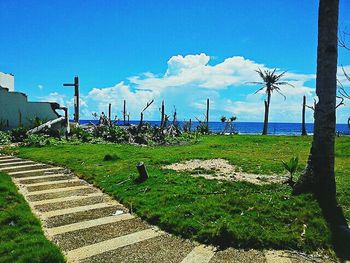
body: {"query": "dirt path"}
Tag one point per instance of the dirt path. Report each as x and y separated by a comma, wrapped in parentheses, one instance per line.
(89, 226)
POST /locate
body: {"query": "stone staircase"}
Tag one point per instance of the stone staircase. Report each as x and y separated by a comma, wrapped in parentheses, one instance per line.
(90, 226)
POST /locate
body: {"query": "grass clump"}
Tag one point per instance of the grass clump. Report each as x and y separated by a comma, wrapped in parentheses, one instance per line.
(22, 239)
(111, 157)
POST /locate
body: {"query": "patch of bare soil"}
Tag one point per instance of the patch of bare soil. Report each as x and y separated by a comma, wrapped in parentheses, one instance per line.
(221, 169)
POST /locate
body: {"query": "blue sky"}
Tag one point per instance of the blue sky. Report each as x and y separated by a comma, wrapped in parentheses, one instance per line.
(180, 51)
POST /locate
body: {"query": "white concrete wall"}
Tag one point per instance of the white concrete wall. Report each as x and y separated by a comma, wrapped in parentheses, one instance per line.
(15, 106)
(7, 81)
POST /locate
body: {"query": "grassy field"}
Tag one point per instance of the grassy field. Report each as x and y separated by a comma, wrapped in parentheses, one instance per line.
(22, 239)
(222, 213)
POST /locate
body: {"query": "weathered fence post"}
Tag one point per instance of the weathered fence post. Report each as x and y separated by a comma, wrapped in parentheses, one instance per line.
(207, 116)
(124, 112)
(303, 125)
(141, 168)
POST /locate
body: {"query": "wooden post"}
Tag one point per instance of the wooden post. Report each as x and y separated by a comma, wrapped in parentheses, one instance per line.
(303, 125)
(124, 112)
(76, 97)
(207, 116)
(109, 112)
(141, 168)
(162, 117)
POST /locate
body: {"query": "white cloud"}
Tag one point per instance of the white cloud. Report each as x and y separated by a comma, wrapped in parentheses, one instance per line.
(189, 80)
(40, 87)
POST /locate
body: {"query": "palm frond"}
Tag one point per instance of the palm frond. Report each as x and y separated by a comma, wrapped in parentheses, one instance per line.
(259, 89)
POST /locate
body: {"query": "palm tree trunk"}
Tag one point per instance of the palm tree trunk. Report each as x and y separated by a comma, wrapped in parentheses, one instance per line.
(303, 125)
(318, 176)
(267, 108)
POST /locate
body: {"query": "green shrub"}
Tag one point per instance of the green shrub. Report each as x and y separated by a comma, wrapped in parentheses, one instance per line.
(18, 134)
(291, 167)
(5, 138)
(202, 128)
(115, 134)
(37, 140)
(81, 134)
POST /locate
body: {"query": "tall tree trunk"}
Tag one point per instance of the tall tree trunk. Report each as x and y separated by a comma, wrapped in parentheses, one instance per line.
(267, 108)
(109, 112)
(207, 116)
(124, 112)
(318, 176)
(162, 115)
(303, 125)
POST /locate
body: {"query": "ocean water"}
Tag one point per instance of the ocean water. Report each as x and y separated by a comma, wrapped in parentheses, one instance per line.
(275, 128)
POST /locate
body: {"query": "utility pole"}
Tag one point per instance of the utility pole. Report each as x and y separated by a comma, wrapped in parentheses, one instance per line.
(76, 97)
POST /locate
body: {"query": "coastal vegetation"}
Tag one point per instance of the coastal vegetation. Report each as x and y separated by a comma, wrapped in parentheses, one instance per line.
(219, 212)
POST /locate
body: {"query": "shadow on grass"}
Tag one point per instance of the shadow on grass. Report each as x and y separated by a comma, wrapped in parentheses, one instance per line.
(339, 228)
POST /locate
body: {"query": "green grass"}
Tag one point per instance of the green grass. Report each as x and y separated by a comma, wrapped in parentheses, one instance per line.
(22, 239)
(223, 213)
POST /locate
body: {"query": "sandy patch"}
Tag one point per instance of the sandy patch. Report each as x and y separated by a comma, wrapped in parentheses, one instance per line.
(221, 169)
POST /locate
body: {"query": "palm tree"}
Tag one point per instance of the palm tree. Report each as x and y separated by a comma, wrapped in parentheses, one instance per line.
(271, 83)
(318, 176)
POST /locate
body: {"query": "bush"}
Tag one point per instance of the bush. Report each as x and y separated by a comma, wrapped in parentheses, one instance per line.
(202, 128)
(36, 140)
(18, 134)
(115, 134)
(81, 134)
(5, 138)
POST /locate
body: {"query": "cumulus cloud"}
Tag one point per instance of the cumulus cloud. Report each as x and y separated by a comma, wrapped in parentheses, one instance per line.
(189, 80)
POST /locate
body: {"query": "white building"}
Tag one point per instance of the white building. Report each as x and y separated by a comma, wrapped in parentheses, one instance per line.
(7, 81)
(16, 110)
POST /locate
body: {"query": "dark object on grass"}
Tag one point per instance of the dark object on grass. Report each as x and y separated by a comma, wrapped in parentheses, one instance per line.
(110, 157)
(143, 175)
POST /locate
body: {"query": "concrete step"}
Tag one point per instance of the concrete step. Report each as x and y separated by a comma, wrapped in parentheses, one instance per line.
(160, 249)
(88, 224)
(70, 202)
(99, 233)
(37, 172)
(24, 167)
(20, 162)
(90, 214)
(111, 244)
(199, 254)
(82, 191)
(44, 178)
(61, 200)
(56, 185)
